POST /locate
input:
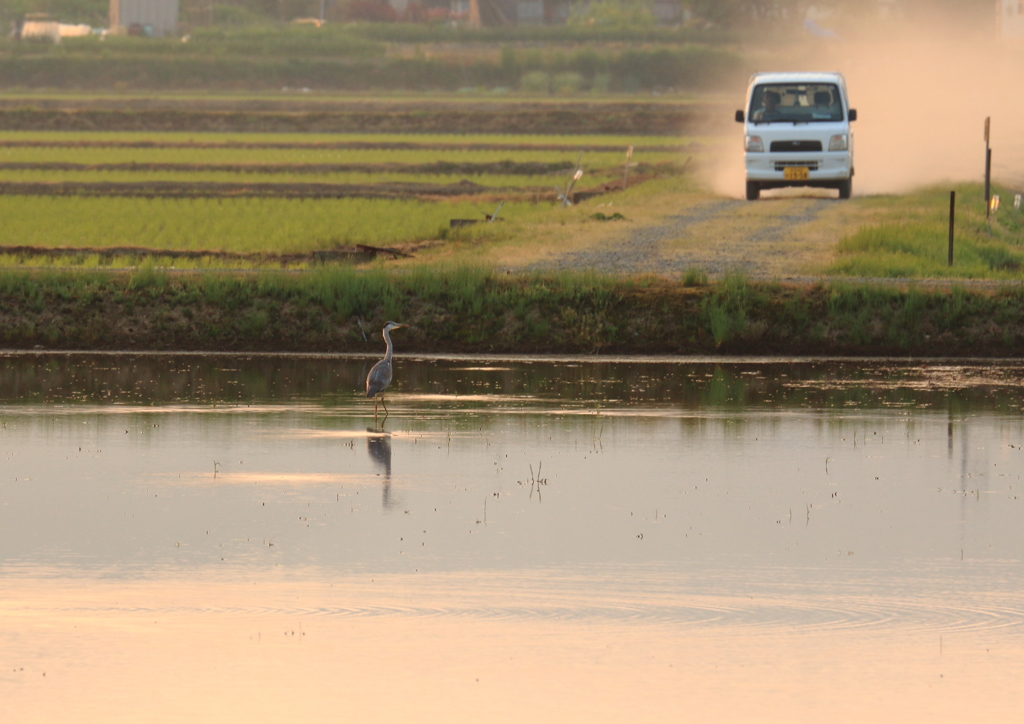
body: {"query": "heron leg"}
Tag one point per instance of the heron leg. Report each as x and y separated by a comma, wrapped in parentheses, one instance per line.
(374, 408)
(386, 413)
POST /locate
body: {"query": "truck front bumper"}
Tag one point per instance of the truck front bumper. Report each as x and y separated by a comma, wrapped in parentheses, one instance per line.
(822, 169)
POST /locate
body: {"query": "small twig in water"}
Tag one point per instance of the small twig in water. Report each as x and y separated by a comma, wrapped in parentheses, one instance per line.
(535, 481)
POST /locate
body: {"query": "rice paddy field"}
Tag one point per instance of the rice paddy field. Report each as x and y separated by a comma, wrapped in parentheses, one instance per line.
(278, 194)
(94, 222)
(294, 201)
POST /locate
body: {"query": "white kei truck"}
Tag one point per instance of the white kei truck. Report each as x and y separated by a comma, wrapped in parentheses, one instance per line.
(797, 132)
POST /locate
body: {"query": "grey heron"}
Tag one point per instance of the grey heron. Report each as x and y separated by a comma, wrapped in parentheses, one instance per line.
(380, 374)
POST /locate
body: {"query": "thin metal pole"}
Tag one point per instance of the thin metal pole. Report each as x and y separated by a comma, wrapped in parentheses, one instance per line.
(952, 209)
(988, 181)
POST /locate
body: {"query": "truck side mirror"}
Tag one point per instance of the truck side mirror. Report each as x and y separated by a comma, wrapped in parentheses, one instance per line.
(853, 114)
(739, 117)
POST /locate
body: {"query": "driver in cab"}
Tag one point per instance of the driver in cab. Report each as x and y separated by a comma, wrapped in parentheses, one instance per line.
(770, 102)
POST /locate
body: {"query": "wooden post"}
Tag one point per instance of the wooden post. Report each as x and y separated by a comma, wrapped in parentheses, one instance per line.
(988, 166)
(952, 209)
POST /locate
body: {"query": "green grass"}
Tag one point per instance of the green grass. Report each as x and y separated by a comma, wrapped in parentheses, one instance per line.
(729, 306)
(239, 225)
(353, 178)
(911, 237)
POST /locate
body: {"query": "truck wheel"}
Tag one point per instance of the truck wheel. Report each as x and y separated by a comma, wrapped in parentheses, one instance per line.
(845, 188)
(753, 191)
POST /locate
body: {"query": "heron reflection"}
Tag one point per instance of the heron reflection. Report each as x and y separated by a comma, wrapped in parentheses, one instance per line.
(378, 445)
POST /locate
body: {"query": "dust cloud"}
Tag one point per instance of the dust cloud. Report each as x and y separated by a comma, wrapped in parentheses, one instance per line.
(922, 95)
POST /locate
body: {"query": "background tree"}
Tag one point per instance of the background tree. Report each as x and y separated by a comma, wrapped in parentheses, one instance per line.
(612, 13)
(90, 12)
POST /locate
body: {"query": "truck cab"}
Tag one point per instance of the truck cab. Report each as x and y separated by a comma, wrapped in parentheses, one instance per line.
(797, 132)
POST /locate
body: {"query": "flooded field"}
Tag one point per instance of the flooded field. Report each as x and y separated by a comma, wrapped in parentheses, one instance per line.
(234, 538)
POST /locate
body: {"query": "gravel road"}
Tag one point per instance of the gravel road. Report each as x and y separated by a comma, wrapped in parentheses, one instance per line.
(783, 238)
(715, 237)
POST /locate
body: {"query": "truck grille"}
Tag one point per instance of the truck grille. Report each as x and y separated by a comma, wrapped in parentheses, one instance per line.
(809, 165)
(795, 146)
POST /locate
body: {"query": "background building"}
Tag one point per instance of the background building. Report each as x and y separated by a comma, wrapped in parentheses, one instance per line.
(145, 17)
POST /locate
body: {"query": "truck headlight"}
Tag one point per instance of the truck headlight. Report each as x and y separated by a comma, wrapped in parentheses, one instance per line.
(838, 143)
(754, 144)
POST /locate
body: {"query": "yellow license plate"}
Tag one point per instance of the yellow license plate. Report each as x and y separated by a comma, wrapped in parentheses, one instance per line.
(796, 173)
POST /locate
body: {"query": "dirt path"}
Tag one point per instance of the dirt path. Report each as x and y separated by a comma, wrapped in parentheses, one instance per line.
(777, 238)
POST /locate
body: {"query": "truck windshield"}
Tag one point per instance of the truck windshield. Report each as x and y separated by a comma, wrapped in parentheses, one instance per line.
(796, 103)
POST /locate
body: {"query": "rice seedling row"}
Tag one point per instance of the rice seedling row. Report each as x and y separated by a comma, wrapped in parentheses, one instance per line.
(313, 186)
(270, 225)
(437, 168)
(313, 176)
(366, 157)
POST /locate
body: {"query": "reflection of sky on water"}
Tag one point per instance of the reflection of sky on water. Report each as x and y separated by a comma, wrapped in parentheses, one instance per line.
(775, 482)
(775, 526)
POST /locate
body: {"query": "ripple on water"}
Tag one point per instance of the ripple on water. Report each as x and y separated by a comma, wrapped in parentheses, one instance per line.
(821, 611)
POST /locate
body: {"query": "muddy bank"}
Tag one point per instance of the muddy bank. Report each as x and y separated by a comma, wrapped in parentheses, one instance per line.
(343, 145)
(137, 255)
(208, 189)
(339, 310)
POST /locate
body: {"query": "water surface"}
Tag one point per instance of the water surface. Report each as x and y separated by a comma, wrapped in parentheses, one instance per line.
(234, 538)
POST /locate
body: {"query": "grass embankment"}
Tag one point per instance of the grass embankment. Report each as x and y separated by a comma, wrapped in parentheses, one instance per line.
(470, 310)
(907, 236)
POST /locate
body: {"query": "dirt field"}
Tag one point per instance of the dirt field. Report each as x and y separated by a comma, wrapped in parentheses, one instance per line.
(523, 118)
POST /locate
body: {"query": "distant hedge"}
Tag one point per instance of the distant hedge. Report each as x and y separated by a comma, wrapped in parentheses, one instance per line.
(438, 33)
(270, 62)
